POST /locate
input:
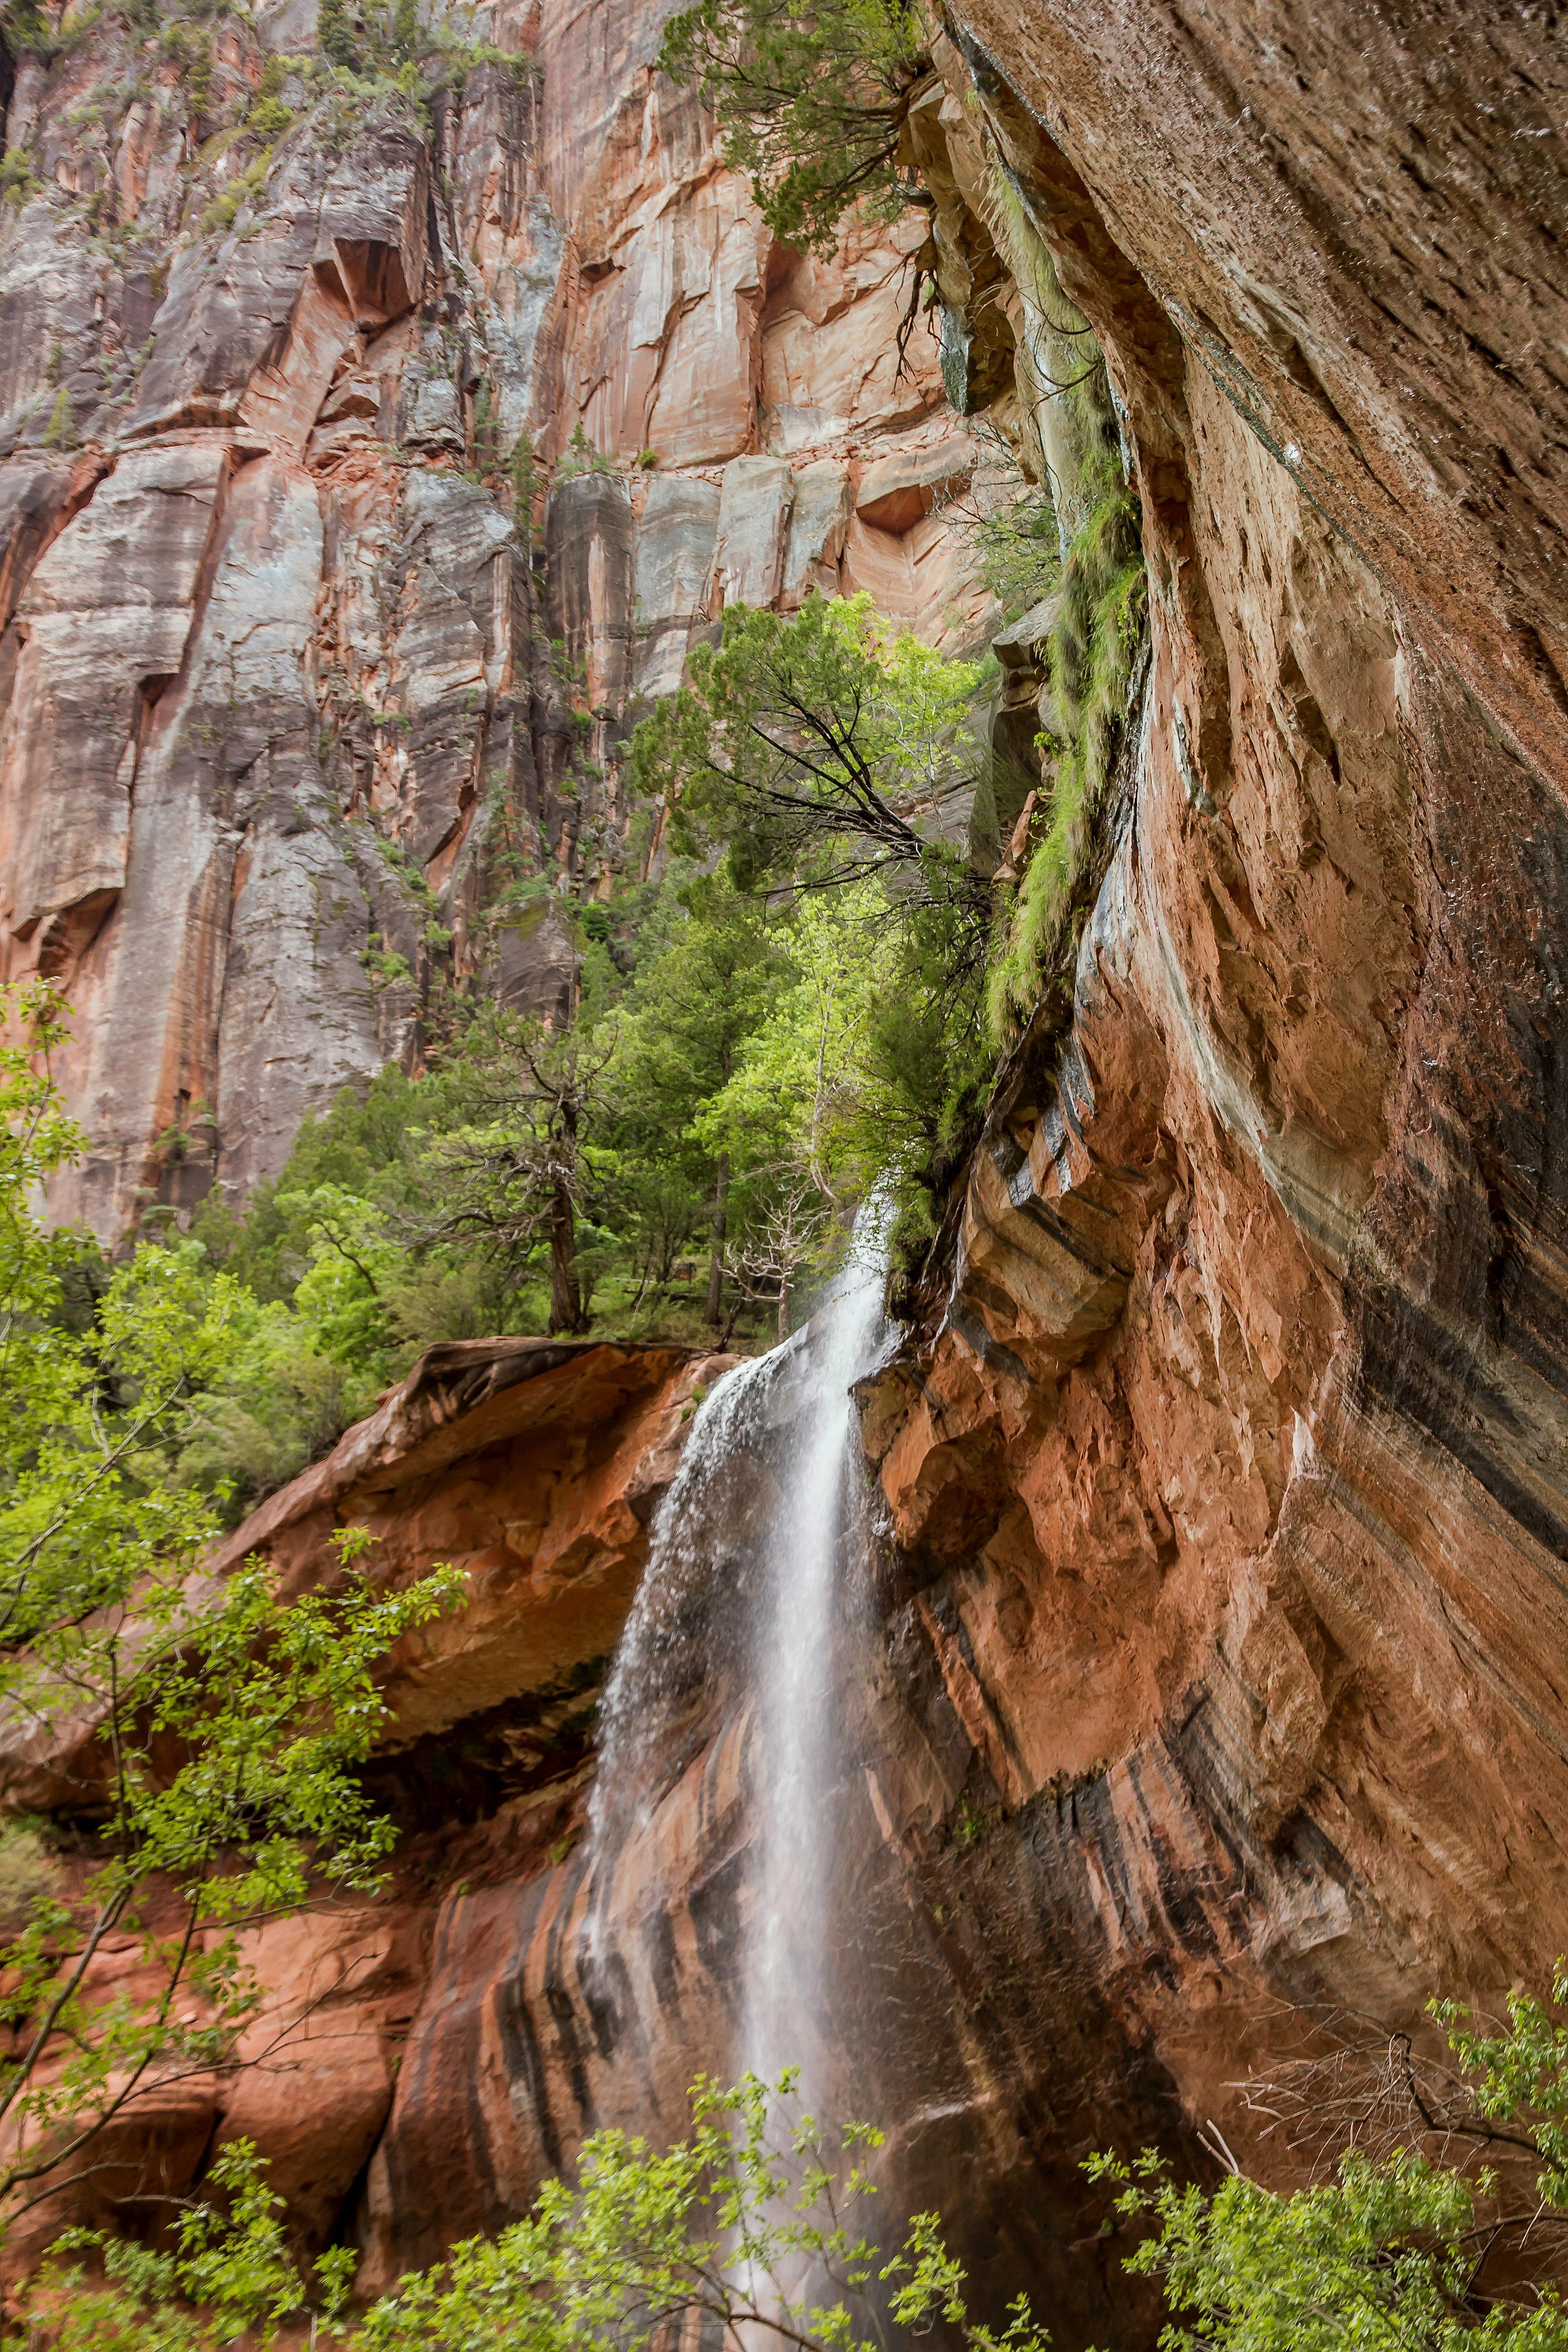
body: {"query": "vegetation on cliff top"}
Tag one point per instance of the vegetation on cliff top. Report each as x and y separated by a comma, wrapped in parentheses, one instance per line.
(811, 102)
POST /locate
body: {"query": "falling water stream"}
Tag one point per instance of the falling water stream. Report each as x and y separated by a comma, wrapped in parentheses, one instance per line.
(796, 1748)
(776, 1542)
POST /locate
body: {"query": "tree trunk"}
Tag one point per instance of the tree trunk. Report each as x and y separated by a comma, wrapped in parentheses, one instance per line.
(716, 1241)
(784, 1306)
(565, 1301)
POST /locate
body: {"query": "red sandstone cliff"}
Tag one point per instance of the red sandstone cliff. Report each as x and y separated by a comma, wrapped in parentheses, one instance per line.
(280, 703)
(1227, 1470)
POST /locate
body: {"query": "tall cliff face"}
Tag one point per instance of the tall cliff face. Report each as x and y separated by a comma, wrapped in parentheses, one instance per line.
(1214, 1675)
(1247, 1398)
(304, 673)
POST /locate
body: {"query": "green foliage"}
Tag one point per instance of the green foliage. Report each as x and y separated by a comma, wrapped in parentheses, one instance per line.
(223, 209)
(199, 69)
(386, 968)
(811, 101)
(18, 183)
(520, 1170)
(704, 995)
(405, 31)
(29, 32)
(1099, 625)
(820, 735)
(1397, 2252)
(230, 2255)
(751, 2227)
(58, 433)
(337, 34)
(1099, 585)
(1523, 2073)
(581, 457)
(1064, 392)
(1378, 2258)
(832, 758)
(1017, 541)
(231, 1725)
(270, 116)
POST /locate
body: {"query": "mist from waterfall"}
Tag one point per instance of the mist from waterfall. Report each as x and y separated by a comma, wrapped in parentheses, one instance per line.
(754, 1566)
(795, 1757)
(652, 1663)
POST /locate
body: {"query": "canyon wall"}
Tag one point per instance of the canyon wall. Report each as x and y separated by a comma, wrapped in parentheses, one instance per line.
(369, 467)
(1236, 1439)
(1211, 1688)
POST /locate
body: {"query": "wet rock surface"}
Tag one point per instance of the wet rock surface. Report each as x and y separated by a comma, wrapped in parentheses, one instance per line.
(1211, 1676)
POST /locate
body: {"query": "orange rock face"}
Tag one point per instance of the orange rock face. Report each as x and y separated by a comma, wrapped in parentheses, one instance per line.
(1231, 1457)
(1213, 1675)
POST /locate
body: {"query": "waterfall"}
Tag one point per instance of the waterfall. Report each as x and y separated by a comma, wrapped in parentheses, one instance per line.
(655, 1665)
(745, 1576)
(796, 1755)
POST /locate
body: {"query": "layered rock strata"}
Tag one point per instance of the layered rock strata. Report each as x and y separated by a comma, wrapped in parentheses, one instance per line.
(1232, 1452)
(1214, 1687)
(368, 470)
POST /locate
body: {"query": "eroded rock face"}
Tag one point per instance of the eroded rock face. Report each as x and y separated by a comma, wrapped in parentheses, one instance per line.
(1231, 1456)
(535, 1466)
(1224, 1582)
(323, 632)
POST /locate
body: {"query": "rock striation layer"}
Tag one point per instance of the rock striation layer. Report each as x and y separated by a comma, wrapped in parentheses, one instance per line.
(1215, 1684)
(366, 473)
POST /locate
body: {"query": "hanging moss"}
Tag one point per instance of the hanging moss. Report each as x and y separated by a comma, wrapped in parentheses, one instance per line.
(1093, 645)
(1100, 610)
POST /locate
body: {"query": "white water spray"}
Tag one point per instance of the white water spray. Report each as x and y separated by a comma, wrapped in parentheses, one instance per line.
(651, 1664)
(795, 1758)
(764, 1509)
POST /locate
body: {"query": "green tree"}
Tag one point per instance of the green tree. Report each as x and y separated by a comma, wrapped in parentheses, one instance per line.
(812, 102)
(337, 36)
(1398, 2252)
(682, 1034)
(528, 1164)
(750, 2226)
(213, 1737)
(804, 1115)
(405, 35)
(820, 747)
(834, 761)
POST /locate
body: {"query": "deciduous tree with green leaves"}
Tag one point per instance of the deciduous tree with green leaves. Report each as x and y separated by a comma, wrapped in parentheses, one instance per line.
(750, 2227)
(833, 759)
(822, 747)
(682, 1038)
(207, 1735)
(1398, 2253)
